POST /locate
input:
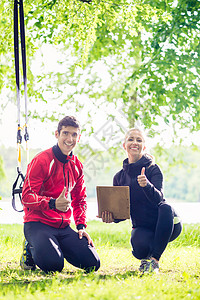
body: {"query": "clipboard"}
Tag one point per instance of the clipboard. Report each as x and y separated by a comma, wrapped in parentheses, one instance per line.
(115, 199)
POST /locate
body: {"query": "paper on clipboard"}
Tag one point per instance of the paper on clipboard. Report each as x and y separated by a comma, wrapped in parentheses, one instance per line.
(115, 199)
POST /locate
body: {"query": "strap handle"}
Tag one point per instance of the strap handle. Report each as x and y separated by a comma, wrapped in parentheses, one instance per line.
(17, 191)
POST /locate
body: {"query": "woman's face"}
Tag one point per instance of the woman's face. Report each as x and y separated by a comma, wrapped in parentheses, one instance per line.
(134, 144)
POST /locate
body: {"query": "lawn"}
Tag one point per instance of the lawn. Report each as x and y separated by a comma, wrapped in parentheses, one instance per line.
(118, 277)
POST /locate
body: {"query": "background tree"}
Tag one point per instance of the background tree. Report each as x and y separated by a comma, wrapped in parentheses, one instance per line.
(150, 49)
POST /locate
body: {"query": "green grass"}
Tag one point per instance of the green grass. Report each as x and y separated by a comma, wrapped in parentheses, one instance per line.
(118, 277)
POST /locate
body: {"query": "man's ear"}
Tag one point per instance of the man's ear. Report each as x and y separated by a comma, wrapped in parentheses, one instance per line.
(56, 133)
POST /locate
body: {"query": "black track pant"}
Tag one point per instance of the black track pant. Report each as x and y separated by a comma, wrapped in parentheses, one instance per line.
(152, 242)
(49, 246)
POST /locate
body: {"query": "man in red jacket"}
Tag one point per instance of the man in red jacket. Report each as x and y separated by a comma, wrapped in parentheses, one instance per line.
(54, 182)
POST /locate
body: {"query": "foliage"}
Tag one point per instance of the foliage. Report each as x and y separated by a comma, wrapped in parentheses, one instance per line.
(149, 49)
(169, 74)
(2, 172)
(180, 166)
(118, 276)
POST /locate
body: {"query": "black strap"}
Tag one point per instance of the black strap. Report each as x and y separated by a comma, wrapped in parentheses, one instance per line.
(19, 18)
(18, 10)
(16, 52)
(23, 50)
(23, 45)
(17, 189)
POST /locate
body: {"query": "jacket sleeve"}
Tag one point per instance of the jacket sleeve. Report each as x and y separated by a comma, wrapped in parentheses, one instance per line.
(34, 179)
(154, 188)
(79, 204)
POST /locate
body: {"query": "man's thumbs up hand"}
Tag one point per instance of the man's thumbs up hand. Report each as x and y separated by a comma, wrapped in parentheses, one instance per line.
(62, 203)
(142, 180)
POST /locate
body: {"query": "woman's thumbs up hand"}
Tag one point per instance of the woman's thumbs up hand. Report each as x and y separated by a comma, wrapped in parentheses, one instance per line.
(142, 180)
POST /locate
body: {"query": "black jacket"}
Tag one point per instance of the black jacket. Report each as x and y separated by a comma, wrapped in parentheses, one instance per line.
(144, 202)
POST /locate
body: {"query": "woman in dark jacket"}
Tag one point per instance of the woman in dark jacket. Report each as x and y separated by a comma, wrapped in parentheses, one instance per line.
(155, 223)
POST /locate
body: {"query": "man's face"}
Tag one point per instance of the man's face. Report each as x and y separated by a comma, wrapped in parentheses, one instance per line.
(67, 138)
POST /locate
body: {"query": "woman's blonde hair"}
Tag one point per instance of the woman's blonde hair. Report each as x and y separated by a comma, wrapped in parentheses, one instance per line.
(135, 129)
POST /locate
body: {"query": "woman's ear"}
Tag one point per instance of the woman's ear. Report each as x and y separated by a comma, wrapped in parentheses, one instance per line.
(124, 146)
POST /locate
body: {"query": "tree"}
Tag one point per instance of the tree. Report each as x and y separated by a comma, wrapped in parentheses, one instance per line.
(150, 48)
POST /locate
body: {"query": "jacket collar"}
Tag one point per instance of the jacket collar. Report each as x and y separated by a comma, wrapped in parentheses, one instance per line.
(144, 161)
(60, 156)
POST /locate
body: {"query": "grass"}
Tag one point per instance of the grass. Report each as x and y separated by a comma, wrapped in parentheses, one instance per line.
(118, 277)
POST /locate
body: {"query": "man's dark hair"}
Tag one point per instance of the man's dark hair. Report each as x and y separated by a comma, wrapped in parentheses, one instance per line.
(68, 121)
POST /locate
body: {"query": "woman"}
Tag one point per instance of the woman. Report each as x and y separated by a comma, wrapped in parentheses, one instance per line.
(155, 223)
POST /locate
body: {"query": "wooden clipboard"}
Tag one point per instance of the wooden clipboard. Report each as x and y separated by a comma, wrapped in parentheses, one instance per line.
(115, 199)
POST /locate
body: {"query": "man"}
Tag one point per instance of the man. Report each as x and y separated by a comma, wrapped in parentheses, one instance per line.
(52, 176)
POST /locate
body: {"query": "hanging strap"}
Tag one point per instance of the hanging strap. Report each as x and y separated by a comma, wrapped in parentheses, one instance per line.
(23, 50)
(19, 18)
(16, 52)
(19, 12)
(17, 190)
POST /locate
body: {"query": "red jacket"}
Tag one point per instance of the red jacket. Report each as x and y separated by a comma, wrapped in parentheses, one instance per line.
(46, 176)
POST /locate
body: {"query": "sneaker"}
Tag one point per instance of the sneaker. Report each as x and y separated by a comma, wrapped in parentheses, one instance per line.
(152, 266)
(144, 265)
(26, 261)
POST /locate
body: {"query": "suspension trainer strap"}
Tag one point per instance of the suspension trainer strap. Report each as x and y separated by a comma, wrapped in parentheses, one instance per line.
(19, 16)
(23, 50)
(16, 52)
(17, 190)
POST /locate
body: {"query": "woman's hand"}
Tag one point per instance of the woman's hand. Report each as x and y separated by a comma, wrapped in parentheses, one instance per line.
(142, 180)
(107, 217)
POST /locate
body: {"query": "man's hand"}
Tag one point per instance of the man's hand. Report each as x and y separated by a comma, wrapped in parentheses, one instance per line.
(62, 203)
(82, 233)
(107, 217)
(142, 180)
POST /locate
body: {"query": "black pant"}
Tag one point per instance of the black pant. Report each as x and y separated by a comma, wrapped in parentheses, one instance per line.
(49, 246)
(147, 242)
